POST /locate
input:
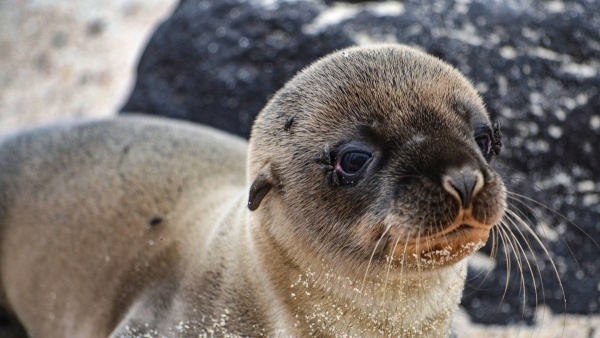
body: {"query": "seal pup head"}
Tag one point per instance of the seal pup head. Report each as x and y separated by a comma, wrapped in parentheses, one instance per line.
(376, 155)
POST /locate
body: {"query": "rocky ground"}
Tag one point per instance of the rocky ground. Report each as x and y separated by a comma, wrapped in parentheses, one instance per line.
(77, 59)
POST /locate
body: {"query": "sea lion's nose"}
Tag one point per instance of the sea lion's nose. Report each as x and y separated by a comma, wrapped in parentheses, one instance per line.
(463, 184)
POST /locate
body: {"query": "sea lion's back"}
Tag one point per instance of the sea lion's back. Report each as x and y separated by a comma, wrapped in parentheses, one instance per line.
(100, 200)
(124, 154)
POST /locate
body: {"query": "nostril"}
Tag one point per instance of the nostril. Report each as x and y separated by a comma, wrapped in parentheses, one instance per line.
(464, 187)
(463, 184)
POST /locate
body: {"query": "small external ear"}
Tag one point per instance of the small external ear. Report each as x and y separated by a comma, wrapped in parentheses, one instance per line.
(260, 187)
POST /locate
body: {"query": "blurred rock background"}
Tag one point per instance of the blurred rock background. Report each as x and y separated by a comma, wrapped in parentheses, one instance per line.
(217, 62)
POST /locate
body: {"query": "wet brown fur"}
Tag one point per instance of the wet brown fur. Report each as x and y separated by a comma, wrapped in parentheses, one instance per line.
(134, 225)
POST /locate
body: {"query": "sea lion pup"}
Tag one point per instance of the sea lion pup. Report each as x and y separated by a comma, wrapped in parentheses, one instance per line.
(368, 184)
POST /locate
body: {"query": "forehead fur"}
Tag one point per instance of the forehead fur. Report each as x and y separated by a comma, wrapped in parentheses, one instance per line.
(387, 85)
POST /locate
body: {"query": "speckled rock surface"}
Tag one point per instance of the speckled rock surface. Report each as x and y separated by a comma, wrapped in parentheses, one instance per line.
(226, 57)
(536, 63)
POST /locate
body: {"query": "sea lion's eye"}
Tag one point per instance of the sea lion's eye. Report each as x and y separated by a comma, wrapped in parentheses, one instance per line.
(345, 165)
(352, 163)
(485, 144)
(483, 138)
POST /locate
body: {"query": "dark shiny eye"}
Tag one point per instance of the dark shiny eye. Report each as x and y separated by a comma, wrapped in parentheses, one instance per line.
(483, 138)
(485, 144)
(353, 162)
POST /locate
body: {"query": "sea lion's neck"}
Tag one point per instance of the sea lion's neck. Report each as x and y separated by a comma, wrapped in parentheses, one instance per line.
(325, 296)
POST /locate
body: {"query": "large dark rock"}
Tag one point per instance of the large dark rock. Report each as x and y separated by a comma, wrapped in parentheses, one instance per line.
(226, 57)
(217, 62)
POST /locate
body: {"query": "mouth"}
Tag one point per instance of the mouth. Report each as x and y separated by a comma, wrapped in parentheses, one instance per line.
(461, 229)
(448, 246)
